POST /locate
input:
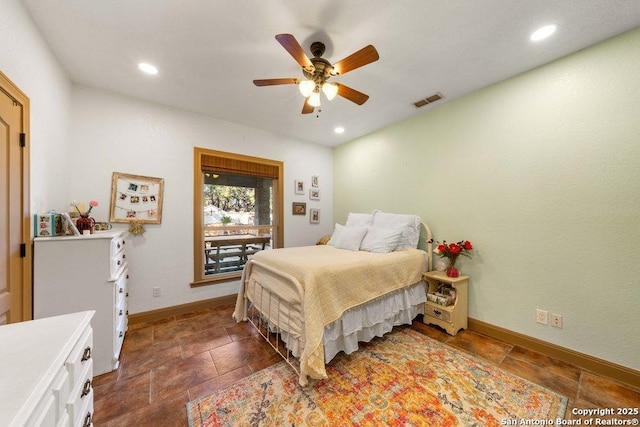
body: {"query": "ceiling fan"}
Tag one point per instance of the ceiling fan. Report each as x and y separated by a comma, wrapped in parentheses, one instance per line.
(317, 71)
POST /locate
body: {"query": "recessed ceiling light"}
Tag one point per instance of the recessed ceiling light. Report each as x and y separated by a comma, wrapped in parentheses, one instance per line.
(148, 68)
(543, 32)
(339, 129)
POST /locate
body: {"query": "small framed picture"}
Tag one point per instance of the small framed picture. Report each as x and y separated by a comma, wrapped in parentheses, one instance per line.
(314, 216)
(299, 208)
(314, 181)
(298, 186)
(314, 194)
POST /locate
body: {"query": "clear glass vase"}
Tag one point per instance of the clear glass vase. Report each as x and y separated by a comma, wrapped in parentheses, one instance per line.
(452, 271)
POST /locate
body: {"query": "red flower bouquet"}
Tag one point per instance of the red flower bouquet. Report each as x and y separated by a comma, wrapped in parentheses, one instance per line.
(453, 251)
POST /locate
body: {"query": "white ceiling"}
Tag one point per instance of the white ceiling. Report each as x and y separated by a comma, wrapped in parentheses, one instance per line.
(209, 51)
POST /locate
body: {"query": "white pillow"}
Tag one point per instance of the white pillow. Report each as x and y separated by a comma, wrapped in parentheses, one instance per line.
(359, 219)
(336, 234)
(350, 238)
(380, 240)
(408, 224)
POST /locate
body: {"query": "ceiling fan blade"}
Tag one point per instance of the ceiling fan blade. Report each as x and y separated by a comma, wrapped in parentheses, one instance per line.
(292, 46)
(306, 108)
(352, 94)
(271, 82)
(364, 56)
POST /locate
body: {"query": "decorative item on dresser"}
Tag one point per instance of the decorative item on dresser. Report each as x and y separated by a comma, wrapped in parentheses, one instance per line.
(46, 367)
(85, 273)
(85, 224)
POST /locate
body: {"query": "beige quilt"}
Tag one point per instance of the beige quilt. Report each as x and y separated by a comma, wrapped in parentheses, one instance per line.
(335, 280)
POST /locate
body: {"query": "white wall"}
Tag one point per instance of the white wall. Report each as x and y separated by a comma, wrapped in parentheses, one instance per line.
(112, 133)
(27, 61)
(542, 173)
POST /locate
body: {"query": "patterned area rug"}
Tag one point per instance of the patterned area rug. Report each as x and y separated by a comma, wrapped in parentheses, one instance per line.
(403, 379)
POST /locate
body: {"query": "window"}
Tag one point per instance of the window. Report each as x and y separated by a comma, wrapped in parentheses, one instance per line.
(237, 212)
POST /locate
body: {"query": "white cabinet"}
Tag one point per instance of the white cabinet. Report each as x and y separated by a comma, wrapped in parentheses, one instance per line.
(46, 368)
(85, 273)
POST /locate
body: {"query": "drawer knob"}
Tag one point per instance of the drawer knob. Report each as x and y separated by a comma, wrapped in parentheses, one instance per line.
(118, 245)
(86, 355)
(118, 262)
(86, 389)
(127, 294)
(120, 334)
(120, 313)
(87, 420)
(121, 290)
(437, 313)
(124, 256)
(127, 276)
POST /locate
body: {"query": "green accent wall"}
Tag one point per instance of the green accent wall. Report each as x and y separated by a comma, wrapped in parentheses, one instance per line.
(542, 173)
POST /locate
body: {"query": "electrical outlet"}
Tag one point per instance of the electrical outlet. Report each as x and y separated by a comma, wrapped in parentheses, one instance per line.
(542, 316)
(556, 320)
(156, 291)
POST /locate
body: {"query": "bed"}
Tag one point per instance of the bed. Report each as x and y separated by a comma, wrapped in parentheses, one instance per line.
(319, 300)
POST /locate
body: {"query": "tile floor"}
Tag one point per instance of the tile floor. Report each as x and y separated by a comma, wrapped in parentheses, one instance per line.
(166, 363)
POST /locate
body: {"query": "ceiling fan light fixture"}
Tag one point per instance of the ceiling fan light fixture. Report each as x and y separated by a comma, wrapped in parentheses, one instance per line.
(306, 87)
(314, 99)
(318, 70)
(330, 90)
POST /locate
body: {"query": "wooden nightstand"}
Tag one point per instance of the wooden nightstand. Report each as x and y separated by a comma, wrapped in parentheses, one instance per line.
(451, 318)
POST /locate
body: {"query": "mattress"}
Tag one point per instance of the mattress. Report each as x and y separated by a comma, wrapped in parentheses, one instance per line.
(328, 282)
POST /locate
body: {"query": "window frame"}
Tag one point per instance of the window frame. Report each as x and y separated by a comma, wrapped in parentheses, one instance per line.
(199, 278)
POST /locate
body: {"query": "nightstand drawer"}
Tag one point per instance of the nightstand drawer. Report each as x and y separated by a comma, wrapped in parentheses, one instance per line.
(437, 311)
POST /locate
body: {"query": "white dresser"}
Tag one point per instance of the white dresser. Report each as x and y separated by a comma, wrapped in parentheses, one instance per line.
(85, 273)
(46, 368)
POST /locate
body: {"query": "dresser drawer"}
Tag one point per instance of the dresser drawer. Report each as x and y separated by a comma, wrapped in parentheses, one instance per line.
(85, 413)
(61, 389)
(45, 415)
(120, 331)
(117, 262)
(120, 313)
(80, 356)
(117, 245)
(64, 421)
(120, 289)
(50, 406)
(120, 328)
(81, 393)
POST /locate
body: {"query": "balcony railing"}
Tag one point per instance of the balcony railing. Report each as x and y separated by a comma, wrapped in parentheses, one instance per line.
(227, 248)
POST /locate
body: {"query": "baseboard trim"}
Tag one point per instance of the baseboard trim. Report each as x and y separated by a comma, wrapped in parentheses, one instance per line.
(161, 313)
(594, 364)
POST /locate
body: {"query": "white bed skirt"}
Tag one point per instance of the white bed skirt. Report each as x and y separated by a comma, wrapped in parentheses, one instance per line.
(367, 321)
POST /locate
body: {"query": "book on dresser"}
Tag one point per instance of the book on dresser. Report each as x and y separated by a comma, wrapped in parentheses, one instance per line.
(77, 273)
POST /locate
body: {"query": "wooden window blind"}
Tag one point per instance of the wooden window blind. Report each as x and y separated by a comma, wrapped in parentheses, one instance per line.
(216, 164)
